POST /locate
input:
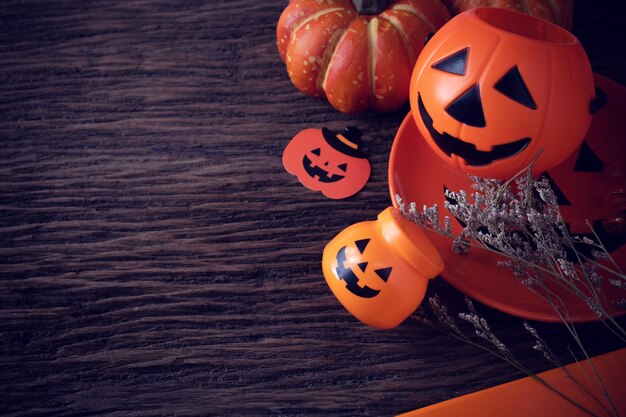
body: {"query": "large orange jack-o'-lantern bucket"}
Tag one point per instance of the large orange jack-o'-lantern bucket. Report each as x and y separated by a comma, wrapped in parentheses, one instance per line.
(493, 87)
(490, 90)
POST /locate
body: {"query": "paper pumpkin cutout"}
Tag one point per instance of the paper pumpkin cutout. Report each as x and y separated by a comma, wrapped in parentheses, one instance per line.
(493, 87)
(327, 162)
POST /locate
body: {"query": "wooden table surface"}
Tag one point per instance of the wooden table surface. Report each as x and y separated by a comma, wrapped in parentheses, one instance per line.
(155, 257)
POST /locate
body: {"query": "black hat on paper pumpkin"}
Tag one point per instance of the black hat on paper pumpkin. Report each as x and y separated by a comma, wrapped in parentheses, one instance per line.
(346, 142)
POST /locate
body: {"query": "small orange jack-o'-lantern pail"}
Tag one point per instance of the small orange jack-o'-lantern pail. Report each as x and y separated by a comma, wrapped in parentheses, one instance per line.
(379, 269)
(493, 87)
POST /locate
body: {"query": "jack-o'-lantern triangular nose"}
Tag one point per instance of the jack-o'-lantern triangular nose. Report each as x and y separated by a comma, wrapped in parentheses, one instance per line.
(468, 108)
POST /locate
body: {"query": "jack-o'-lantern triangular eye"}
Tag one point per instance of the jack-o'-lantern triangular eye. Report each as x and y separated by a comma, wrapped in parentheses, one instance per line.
(384, 273)
(513, 86)
(454, 64)
(468, 108)
(361, 244)
(342, 167)
(316, 151)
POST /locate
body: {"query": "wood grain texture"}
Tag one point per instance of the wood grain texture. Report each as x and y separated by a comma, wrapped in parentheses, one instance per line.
(156, 259)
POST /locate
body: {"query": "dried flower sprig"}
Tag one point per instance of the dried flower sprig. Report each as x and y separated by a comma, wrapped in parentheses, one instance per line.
(483, 331)
(520, 220)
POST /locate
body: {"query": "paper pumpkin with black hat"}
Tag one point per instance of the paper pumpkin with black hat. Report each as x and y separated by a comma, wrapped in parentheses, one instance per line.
(328, 162)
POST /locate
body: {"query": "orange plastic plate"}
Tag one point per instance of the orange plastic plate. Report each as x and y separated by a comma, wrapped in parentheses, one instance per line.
(418, 175)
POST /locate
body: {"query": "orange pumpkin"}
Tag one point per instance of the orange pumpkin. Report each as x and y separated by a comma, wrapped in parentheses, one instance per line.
(494, 87)
(356, 60)
(556, 11)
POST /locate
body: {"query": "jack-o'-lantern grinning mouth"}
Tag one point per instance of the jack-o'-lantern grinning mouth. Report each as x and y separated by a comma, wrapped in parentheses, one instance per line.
(352, 281)
(316, 171)
(467, 151)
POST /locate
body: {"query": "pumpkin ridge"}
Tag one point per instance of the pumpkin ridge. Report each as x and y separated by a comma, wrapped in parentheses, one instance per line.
(412, 10)
(320, 56)
(328, 56)
(372, 35)
(314, 16)
(397, 25)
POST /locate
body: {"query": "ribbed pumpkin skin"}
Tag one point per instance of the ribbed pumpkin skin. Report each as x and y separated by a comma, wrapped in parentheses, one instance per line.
(555, 11)
(355, 61)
